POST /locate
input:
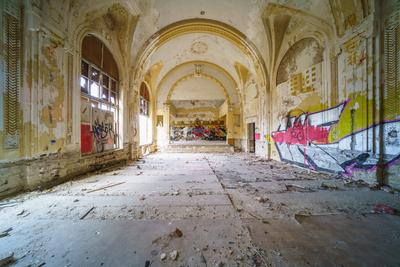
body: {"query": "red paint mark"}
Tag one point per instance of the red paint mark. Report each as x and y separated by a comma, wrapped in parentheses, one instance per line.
(257, 136)
(301, 134)
(86, 139)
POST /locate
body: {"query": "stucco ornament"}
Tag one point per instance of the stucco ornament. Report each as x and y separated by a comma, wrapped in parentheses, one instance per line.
(199, 48)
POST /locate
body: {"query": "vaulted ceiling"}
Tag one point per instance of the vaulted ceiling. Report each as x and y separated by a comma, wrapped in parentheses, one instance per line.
(231, 42)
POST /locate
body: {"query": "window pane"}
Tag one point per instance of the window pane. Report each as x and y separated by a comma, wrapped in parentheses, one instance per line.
(95, 104)
(113, 85)
(104, 94)
(104, 106)
(94, 89)
(113, 98)
(84, 69)
(106, 81)
(84, 85)
(94, 74)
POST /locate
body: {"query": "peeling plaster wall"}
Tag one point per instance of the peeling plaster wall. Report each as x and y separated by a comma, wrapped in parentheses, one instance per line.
(50, 96)
(341, 129)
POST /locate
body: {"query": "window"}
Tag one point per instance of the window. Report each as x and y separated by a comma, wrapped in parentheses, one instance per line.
(145, 125)
(99, 98)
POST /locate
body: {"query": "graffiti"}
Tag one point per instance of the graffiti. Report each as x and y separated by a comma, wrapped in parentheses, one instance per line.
(200, 130)
(304, 140)
(103, 134)
(97, 129)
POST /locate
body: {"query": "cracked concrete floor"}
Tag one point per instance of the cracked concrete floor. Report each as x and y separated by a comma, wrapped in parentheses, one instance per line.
(231, 209)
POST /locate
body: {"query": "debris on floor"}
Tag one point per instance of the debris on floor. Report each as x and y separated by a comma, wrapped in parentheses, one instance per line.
(86, 213)
(384, 209)
(173, 255)
(5, 232)
(329, 186)
(6, 259)
(213, 210)
(104, 187)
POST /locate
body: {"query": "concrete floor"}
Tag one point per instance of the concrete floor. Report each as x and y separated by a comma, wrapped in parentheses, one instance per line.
(232, 209)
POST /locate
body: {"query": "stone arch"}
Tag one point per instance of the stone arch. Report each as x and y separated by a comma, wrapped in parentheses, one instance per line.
(212, 27)
(290, 60)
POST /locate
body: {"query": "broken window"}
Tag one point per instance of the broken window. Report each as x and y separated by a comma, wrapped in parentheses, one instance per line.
(99, 97)
(145, 125)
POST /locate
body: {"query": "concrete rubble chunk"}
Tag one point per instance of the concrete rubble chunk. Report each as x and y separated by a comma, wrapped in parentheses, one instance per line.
(6, 259)
(173, 255)
(329, 186)
(163, 256)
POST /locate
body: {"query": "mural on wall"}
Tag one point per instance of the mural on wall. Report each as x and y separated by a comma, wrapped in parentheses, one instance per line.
(306, 140)
(345, 138)
(97, 129)
(199, 130)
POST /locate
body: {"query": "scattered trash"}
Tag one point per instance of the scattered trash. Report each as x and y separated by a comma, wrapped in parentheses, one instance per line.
(300, 217)
(384, 209)
(329, 186)
(173, 255)
(76, 200)
(104, 187)
(6, 232)
(178, 232)
(351, 182)
(87, 213)
(21, 212)
(163, 256)
(147, 264)
(261, 199)
(295, 187)
(7, 259)
(203, 259)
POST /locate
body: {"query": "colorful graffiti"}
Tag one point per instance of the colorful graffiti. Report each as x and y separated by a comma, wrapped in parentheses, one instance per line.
(199, 130)
(304, 140)
(97, 129)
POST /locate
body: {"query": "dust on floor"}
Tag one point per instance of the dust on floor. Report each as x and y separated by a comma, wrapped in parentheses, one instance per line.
(203, 210)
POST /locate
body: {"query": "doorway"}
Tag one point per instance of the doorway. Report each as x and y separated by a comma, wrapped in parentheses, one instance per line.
(251, 138)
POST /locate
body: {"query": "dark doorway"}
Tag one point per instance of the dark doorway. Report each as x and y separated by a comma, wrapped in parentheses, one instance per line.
(251, 140)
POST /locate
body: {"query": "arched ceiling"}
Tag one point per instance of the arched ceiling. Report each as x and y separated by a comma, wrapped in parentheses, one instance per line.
(242, 40)
(197, 88)
(218, 79)
(199, 47)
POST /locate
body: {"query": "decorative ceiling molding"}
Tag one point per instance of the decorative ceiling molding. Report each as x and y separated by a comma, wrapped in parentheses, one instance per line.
(206, 65)
(201, 26)
(193, 76)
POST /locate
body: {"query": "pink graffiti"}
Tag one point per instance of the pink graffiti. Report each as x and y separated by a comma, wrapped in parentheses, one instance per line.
(301, 134)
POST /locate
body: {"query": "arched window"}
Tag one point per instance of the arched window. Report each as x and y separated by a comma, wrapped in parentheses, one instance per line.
(145, 125)
(99, 97)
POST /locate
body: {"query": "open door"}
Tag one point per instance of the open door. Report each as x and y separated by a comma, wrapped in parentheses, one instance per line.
(251, 137)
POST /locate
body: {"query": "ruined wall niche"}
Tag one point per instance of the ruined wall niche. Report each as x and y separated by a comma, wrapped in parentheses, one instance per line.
(300, 56)
(348, 14)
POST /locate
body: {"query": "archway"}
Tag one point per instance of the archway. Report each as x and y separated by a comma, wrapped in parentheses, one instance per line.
(100, 104)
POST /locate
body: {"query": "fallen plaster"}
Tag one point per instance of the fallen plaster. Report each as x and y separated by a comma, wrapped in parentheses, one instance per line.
(203, 210)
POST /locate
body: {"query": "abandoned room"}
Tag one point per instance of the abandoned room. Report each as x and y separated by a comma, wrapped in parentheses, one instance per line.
(202, 133)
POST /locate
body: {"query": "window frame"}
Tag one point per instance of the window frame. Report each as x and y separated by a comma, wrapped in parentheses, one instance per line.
(99, 102)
